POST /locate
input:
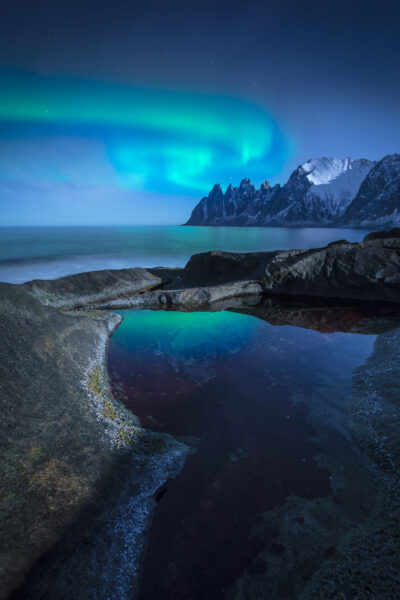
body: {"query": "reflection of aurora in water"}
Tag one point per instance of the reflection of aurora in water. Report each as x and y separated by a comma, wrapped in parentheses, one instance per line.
(186, 335)
(275, 480)
(156, 140)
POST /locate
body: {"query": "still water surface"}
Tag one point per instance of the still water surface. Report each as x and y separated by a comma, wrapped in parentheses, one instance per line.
(264, 410)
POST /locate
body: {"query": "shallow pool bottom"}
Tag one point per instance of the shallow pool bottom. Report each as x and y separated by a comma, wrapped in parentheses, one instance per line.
(274, 480)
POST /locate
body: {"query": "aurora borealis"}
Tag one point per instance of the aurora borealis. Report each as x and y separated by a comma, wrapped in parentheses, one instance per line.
(153, 140)
(126, 112)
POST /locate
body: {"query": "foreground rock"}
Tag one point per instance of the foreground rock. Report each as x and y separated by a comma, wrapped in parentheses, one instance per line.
(96, 286)
(69, 450)
(65, 442)
(191, 297)
(368, 270)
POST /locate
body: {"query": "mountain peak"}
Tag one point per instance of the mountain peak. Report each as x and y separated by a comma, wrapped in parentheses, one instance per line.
(378, 199)
(265, 185)
(246, 186)
(216, 191)
(323, 170)
(322, 192)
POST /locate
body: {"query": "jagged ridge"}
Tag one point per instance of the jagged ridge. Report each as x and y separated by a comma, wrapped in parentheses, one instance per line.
(321, 192)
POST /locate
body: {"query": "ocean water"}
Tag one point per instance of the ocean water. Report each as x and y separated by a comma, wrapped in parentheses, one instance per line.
(274, 478)
(49, 252)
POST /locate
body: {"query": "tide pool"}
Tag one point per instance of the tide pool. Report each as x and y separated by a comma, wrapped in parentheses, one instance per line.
(274, 479)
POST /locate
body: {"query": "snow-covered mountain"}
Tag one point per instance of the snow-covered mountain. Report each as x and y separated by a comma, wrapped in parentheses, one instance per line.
(316, 194)
(336, 181)
(377, 202)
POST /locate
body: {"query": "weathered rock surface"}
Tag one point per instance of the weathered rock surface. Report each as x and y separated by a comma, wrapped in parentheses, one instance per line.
(63, 437)
(368, 270)
(186, 297)
(95, 286)
(218, 267)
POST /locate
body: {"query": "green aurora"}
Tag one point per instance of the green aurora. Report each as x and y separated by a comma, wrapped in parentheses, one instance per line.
(156, 140)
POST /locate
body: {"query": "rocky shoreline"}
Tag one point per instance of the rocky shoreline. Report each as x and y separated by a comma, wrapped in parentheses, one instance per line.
(65, 441)
(69, 448)
(361, 271)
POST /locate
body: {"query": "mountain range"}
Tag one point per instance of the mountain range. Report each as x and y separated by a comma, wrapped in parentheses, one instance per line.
(323, 192)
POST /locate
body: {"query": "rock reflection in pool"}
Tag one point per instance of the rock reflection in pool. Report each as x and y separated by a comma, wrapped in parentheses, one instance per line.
(248, 396)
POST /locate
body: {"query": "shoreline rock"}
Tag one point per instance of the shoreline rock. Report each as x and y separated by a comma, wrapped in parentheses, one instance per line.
(367, 270)
(63, 435)
(82, 289)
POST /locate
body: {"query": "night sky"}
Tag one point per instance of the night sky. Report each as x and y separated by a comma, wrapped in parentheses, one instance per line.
(128, 112)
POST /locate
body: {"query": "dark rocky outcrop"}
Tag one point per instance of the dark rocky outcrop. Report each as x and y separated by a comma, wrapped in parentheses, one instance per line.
(64, 437)
(381, 235)
(219, 267)
(368, 270)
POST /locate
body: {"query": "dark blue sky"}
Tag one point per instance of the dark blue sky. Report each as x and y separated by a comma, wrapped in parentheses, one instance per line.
(198, 92)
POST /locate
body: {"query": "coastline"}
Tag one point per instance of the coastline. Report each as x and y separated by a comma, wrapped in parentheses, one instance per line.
(72, 450)
(68, 444)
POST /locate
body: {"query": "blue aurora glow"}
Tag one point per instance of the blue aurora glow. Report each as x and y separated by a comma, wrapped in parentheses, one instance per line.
(154, 140)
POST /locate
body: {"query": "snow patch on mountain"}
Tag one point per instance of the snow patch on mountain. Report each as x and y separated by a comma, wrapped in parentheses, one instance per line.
(323, 170)
(335, 182)
(323, 192)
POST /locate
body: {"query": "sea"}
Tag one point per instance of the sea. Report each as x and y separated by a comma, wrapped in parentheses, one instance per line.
(28, 253)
